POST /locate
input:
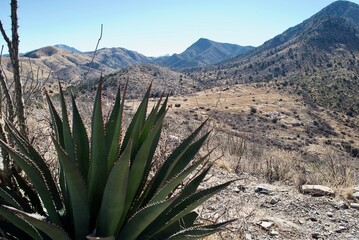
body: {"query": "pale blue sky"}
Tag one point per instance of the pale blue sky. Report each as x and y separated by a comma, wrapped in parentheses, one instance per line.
(155, 27)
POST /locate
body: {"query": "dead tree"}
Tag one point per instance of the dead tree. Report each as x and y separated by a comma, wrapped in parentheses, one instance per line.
(11, 107)
(13, 46)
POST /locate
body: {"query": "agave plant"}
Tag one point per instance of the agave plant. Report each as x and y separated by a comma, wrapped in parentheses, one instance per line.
(104, 187)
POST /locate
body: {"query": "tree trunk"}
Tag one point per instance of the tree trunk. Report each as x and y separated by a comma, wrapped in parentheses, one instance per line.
(14, 56)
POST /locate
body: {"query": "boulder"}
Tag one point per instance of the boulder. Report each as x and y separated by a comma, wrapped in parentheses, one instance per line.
(318, 190)
(354, 205)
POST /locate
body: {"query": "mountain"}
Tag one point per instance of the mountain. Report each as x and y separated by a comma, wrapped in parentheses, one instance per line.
(318, 58)
(71, 49)
(64, 63)
(204, 52)
(119, 57)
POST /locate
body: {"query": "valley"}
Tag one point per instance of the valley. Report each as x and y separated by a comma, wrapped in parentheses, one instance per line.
(282, 115)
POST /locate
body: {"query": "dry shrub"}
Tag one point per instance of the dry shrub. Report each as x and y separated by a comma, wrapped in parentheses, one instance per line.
(332, 168)
(279, 164)
(272, 163)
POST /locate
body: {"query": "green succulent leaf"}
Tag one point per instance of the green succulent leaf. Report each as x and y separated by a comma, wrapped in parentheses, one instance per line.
(171, 185)
(199, 231)
(138, 167)
(114, 128)
(54, 232)
(114, 196)
(27, 149)
(137, 123)
(19, 222)
(184, 223)
(81, 141)
(68, 141)
(162, 175)
(77, 191)
(142, 219)
(36, 177)
(193, 201)
(24, 192)
(56, 121)
(9, 199)
(98, 163)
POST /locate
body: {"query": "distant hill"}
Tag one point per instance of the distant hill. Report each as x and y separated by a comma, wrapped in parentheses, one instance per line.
(318, 58)
(118, 57)
(204, 52)
(71, 49)
(66, 64)
(140, 76)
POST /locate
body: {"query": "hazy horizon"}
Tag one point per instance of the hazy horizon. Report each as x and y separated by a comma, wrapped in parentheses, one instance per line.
(154, 28)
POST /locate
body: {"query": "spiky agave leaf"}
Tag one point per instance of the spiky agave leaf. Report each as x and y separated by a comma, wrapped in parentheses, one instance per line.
(29, 224)
(105, 183)
(78, 192)
(98, 164)
(37, 178)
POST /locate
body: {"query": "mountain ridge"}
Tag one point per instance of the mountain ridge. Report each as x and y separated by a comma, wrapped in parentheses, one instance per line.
(203, 52)
(318, 58)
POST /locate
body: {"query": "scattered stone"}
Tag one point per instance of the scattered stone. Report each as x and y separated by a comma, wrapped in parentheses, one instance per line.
(355, 195)
(342, 205)
(248, 236)
(262, 190)
(240, 188)
(315, 235)
(284, 225)
(266, 224)
(340, 229)
(273, 201)
(317, 190)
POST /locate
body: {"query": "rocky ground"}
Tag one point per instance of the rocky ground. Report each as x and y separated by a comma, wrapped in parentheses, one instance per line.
(278, 211)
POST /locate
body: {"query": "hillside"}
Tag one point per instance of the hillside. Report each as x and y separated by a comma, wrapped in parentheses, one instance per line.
(139, 77)
(318, 58)
(64, 63)
(267, 139)
(204, 52)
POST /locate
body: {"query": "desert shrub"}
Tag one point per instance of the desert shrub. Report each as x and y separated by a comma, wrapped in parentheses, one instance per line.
(331, 168)
(106, 186)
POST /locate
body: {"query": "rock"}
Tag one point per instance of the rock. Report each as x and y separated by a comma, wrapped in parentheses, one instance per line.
(266, 224)
(318, 190)
(240, 188)
(284, 225)
(354, 205)
(274, 233)
(340, 229)
(248, 236)
(342, 205)
(355, 195)
(273, 201)
(262, 190)
(315, 235)
(330, 214)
